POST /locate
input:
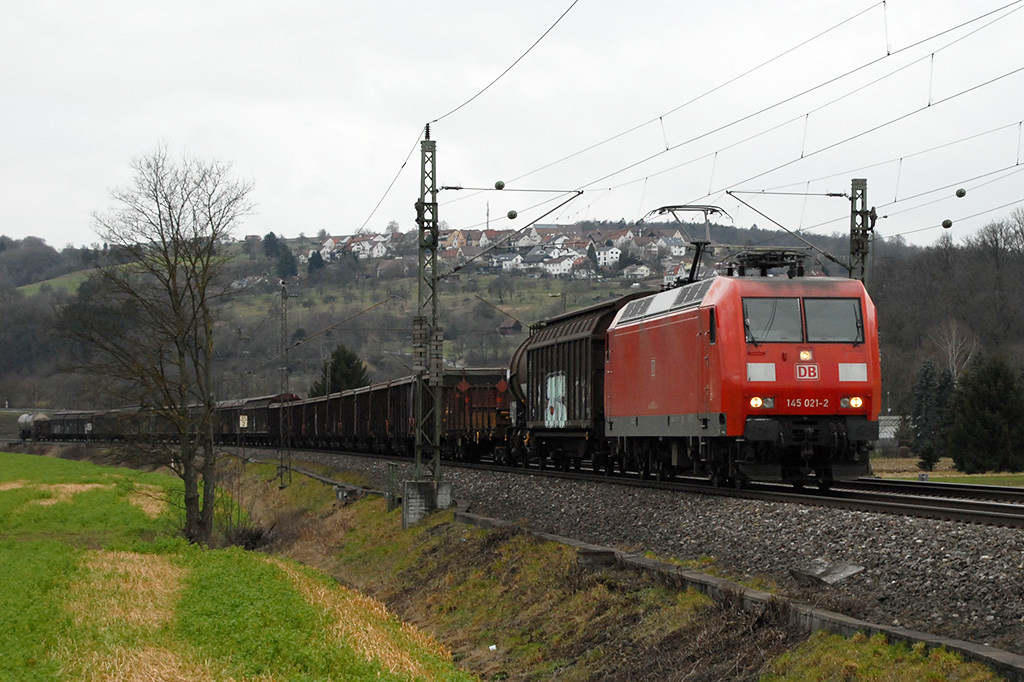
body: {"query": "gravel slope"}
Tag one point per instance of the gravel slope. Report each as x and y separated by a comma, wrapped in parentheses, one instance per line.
(948, 578)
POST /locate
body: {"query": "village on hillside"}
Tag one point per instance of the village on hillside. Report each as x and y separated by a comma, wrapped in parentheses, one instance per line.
(563, 251)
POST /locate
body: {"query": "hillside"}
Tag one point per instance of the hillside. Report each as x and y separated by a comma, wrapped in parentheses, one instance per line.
(947, 302)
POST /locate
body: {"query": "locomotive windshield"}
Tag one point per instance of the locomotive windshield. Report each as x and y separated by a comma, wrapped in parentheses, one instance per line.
(779, 320)
(836, 320)
(772, 320)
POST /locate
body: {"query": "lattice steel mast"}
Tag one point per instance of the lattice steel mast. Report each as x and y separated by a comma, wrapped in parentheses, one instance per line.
(428, 336)
(862, 227)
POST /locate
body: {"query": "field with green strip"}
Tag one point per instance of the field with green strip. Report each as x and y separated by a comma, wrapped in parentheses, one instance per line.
(94, 585)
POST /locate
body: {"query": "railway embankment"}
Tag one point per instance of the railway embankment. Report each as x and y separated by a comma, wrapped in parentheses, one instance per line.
(953, 580)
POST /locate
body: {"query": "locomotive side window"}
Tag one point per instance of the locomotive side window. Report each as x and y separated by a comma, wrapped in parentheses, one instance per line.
(836, 320)
(772, 320)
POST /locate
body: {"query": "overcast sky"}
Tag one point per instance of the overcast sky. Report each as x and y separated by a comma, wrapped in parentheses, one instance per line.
(639, 104)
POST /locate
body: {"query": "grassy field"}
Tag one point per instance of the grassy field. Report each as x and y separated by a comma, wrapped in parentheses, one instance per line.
(68, 283)
(94, 585)
(944, 472)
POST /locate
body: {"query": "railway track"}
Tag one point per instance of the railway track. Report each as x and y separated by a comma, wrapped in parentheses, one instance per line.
(920, 501)
(966, 503)
(995, 493)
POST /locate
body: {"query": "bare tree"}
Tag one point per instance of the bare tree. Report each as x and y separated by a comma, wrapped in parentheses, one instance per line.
(956, 344)
(147, 316)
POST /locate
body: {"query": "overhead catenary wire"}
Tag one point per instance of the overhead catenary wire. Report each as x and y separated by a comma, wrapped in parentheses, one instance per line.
(807, 91)
(512, 66)
(660, 118)
(779, 103)
(419, 136)
(995, 15)
(1013, 7)
(1016, 168)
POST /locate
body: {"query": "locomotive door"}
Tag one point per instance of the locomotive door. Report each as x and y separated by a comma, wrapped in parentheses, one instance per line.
(707, 340)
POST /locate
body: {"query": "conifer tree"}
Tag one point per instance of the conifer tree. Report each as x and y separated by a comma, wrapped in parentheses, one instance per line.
(985, 433)
(342, 371)
(924, 412)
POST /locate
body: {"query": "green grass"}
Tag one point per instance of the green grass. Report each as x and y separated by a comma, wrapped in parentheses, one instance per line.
(829, 657)
(93, 588)
(34, 578)
(79, 502)
(245, 614)
(68, 283)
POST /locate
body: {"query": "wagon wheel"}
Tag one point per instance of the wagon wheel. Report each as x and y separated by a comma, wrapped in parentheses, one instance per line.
(664, 469)
(645, 465)
(825, 480)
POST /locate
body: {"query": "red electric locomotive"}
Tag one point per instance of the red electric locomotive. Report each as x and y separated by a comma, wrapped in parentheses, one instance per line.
(746, 378)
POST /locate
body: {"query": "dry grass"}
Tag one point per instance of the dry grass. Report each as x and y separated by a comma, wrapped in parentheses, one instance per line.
(12, 485)
(123, 587)
(358, 620)
(63, 492)
(138, 591)
(151, 499)
(151, 664)
(901, 466)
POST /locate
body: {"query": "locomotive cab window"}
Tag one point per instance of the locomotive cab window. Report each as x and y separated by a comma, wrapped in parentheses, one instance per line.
(834, 320)
(772, 320)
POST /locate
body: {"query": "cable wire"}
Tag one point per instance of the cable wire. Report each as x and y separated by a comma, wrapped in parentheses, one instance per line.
(513, 65)
(487, 87)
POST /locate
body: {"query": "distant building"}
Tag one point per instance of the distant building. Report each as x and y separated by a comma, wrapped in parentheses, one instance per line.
(608, 256)
(673, 273)
(559, 267)
(636, 272)
(508, 261)
(676, 247)
(508, 327)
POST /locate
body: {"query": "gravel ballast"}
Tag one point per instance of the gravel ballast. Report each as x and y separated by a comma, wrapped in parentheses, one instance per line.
(954, 579)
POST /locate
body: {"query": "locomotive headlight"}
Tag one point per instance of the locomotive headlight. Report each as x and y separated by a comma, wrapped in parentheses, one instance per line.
(806, 355)
(855, 402)
(758, 402)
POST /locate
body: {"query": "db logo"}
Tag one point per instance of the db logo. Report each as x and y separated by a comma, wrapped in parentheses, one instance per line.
(807, 372)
